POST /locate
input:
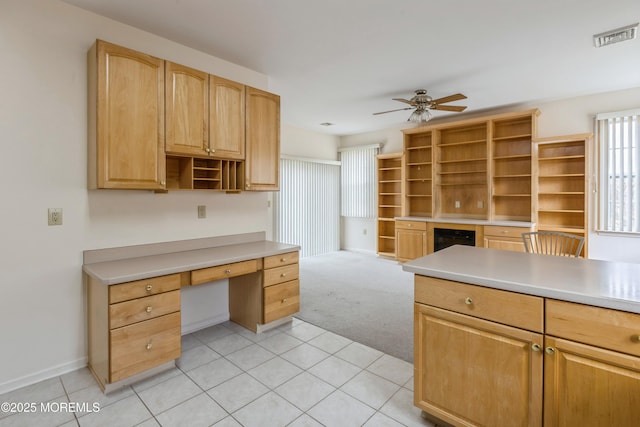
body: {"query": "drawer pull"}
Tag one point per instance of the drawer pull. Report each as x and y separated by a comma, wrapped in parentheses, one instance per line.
(283, 260)
(468, 301)
(149, 345)
(149, 309)
(550, 350)
(536, 347)
(228, 271)
(283, 300)
(283, 274)
(635, 338)
(149, 287)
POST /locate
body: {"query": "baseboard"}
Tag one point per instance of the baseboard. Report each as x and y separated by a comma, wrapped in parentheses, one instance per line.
(45, 374)
(210, 321)
(362, 251)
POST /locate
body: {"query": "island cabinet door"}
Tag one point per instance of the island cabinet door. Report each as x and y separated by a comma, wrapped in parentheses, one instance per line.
(588, 386)
(472, 372)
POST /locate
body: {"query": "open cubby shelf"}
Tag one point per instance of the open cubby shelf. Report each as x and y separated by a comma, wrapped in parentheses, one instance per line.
(193, 173)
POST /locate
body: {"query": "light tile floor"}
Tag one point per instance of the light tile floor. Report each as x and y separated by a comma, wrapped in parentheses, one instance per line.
(295, 375)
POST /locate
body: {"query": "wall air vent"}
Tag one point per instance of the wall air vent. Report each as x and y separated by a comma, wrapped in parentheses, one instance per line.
(615, 36)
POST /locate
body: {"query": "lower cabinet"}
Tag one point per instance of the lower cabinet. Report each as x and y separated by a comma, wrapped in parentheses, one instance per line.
(505, 238)
(480, 352)
(133, 326)
(268, 295)
(411, 240)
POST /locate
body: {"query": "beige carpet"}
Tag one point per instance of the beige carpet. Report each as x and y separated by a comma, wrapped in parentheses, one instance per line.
(360, 296)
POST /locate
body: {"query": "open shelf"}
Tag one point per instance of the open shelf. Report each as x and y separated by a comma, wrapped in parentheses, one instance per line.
(192, 173)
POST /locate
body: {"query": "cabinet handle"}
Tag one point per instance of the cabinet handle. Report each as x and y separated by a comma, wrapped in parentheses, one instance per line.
(536, 347)
(149, 345)
(550, 350)
(283, 259)
(149, 287)
(635, 338)
(228, 271)
(149, 308)
(283, 274)
(468, 301)
(163, 182)
(283, 300)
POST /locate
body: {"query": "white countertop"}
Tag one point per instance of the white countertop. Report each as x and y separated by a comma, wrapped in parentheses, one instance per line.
(143, 267)
(466, 221)
(607, 284)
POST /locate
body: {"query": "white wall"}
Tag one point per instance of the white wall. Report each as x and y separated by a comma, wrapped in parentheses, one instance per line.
(557, 118)
(43, 126)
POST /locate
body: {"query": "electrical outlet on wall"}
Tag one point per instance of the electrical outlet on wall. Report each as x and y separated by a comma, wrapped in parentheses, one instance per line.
(457, 204)
(202, 211)
(55, 216)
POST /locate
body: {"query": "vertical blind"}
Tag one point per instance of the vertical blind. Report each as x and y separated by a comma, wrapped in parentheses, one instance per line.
(619, 182)
(307, 207)
(358, 181)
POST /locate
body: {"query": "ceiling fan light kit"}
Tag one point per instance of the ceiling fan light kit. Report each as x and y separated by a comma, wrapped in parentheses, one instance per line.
(422, 103)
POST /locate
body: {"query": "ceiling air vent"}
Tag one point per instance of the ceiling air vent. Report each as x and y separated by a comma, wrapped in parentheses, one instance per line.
(615, 36)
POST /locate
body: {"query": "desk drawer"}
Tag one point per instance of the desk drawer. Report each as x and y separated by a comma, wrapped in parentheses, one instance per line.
(143, 288)
(602, 327)
(141, 346)
(137, 310)
(273, 276)
(282, 259)
(411, 225)
(281, 300)
(225, 271)
(509, 308)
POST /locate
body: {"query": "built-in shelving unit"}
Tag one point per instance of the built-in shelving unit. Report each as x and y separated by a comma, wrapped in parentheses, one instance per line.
(474, 169)
(192, 173)
(511, 147)
(419, 174)
(389, 201)
(561, 184)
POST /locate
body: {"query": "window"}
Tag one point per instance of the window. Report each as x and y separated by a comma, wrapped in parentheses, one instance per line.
(358, 181)
(619, 183)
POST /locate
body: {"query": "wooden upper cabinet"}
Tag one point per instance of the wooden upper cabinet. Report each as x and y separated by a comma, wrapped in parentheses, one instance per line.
(226, 118)
(187, 115)
(262, 140)
(128, 144)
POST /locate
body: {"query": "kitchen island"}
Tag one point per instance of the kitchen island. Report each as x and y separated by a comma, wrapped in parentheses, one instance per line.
(505, 338)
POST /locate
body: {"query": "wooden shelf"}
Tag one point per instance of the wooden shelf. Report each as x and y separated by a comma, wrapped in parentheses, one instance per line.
(390, 181)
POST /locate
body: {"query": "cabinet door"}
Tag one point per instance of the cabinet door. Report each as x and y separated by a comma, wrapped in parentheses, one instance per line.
(130, 119)
(187, 112)
(588, 386)
(226, 120)
(472, 372)
(410, 244)
(262, 140)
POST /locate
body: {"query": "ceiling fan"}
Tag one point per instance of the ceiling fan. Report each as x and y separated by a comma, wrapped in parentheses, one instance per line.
(422, 103)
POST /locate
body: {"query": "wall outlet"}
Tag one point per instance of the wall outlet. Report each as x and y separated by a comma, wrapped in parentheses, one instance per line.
(457, 204)
(364, 231)
(202, 211)
(480, 204)
(55, 216)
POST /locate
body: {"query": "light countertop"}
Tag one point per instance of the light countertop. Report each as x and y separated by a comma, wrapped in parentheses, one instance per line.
(142, 267)
(599, 283)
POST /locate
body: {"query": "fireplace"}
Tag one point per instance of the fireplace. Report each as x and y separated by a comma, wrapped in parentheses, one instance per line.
(445, 237)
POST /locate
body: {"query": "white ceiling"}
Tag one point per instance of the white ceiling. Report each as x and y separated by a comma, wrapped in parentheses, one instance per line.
(339, 61)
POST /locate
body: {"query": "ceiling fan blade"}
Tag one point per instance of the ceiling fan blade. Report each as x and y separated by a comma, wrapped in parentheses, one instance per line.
(406, 101)
(456, 108)
(391, 111)
(456, 97)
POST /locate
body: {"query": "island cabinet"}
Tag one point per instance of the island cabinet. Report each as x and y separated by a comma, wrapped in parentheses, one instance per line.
(126, 119)
(488, 357)
(592, 366)
(262, 140)
(478, 354)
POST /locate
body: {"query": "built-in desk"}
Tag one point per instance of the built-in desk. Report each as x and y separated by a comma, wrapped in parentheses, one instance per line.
(134, 312)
